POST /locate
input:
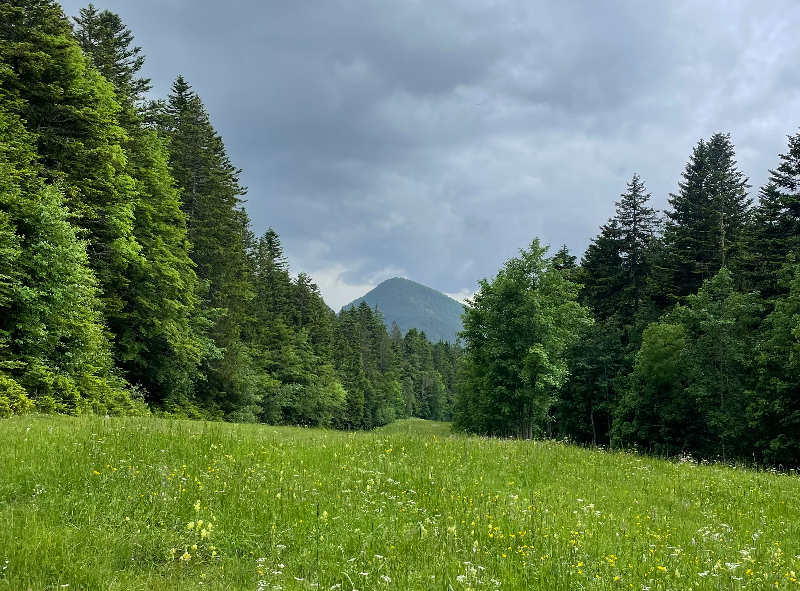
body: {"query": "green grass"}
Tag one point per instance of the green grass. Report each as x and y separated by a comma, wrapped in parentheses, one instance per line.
(115, 503)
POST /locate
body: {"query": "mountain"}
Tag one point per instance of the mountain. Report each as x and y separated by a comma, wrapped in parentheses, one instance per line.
(412, 305)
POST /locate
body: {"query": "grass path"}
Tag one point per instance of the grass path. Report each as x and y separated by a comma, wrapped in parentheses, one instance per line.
(138, 503)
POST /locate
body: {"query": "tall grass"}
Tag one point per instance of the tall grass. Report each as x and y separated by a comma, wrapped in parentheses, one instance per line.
(141, 503)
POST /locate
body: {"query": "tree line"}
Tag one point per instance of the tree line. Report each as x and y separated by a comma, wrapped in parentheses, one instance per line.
(130, 278)
(131, 282)
(676, 333)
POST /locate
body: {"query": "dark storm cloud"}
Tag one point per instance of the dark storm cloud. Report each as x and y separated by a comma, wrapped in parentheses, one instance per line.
(432, 139)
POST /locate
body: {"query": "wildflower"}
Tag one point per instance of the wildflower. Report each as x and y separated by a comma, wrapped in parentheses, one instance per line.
(197, 505)
(186, 557)
(190, 525)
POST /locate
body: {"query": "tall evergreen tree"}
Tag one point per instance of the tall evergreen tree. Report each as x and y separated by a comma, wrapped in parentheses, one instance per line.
(776, 225)
(706, 226)
(349, 368)
(638, 226)
(218, 229)
(159, 342)
(614, 272)
(103, 36)
(74, 113)
(616, 265)
(602, 273)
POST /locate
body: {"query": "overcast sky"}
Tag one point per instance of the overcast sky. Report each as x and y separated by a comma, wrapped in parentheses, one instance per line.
(430, 139)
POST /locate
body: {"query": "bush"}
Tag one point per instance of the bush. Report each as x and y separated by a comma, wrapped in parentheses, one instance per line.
(13, 398)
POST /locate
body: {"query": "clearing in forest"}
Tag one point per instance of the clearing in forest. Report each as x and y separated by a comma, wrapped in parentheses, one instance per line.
(143, 503)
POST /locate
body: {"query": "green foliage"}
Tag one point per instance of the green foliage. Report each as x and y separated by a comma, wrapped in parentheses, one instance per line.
(775, 231)
(586, 404)
(517, 332)
(158, 342)
(52, 339)
(103, 36)
(74, 113)
(218, 232)
(693, 379)
(13, 398)
(775, 409)
(129, 276)
(706, 227)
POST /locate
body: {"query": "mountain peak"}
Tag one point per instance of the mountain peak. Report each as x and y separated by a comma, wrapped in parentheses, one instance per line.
(413, 305)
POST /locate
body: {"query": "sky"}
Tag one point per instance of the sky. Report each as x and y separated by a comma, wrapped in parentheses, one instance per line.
(432, 139)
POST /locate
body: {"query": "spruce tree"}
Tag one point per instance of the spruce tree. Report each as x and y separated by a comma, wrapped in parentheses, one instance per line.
(616, 265)
(218, 230)
(602, 273)
(74, 113)
(638, 225)
(776, 221)
(705, 229)
(103, 36)
(159, 341)
(349, 368)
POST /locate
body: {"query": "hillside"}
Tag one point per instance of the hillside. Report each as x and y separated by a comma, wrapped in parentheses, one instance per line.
(412, 305)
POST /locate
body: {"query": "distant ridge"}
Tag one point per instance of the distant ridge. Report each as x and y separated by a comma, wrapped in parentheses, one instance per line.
(413, 305)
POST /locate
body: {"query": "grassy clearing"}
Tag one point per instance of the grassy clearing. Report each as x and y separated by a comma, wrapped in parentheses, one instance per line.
(149, 504)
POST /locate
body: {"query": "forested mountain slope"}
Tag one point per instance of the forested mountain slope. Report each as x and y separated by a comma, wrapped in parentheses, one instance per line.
(412, 305)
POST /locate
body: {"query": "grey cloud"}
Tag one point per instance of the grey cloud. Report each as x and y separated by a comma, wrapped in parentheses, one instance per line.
(432, 139)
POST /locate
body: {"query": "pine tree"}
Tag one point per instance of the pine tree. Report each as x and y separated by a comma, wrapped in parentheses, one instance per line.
(218, 229)
(705, 229)
(776, 225)
(74, 113)
(103, 36)
(159, 342)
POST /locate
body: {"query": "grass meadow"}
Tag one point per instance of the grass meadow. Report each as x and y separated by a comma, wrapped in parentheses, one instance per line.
(143, 503)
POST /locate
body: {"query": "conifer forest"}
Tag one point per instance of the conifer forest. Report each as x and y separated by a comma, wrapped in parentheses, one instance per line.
(131, 283)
